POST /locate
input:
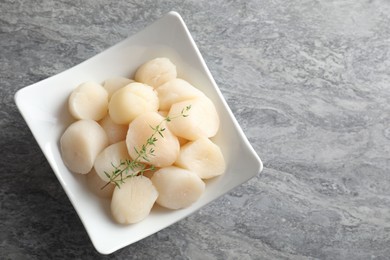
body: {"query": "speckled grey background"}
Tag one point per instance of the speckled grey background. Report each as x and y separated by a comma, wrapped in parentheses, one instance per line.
(309, 81)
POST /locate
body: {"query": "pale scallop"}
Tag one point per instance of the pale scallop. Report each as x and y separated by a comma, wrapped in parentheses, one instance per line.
(95, 184)
(174, 91)
(133, 201)
(115, 132)
(202, 119)
(81, 142)
(202, 157)
(88, 101)
(177, 188)
(115, 83)
(111, 156)
(132, 100)
(156, 72)
(166, 148)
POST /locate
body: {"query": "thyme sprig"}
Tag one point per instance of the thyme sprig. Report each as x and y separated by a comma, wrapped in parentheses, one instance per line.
(131, 168)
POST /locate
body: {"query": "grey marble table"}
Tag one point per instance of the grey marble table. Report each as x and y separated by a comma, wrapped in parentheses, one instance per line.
(309, 82)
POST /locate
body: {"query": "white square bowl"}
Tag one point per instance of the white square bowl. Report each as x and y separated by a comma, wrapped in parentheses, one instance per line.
(43, 106)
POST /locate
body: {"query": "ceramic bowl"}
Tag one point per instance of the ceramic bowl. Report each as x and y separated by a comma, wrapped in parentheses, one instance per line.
(44, 107)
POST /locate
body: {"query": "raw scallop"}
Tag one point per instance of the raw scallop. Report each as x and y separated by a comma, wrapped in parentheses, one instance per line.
(202, 119)
(156, 72)
(177, 188)
(88, 101)
(202, 157)
(131, 101)
(81, 142)
(133, 201)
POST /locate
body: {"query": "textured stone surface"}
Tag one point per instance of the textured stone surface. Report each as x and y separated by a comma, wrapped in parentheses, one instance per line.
(309, 82)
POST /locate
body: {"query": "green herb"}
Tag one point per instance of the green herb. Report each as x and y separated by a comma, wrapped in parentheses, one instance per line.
(130, 168)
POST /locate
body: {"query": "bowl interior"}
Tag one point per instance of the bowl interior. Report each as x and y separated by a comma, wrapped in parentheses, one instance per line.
(43, 106)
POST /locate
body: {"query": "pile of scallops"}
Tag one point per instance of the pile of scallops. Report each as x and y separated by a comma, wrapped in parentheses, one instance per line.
(114, 119)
